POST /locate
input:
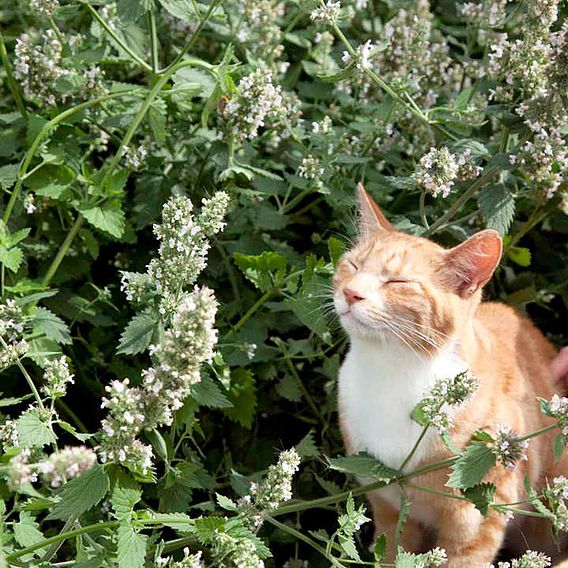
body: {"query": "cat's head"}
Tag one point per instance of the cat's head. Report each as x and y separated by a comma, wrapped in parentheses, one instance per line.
(396, 287)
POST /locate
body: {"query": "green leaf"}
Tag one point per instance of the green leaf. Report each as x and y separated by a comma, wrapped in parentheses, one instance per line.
(125, 494)
(481, 495)
(131, 547)
(26, 530)
(288, 388)
(208, 393)
(336, 248)
(11, 258)
(182, 9)
(52, 326)
(107, 218)
(307, 447)
(226, 503)
(363, 465)
(81, 494)
(380, 547)
(471, 466)
(243, 397)
(12, 400)
(132, 10)
(498, 207)
(520, 256)
(264, 270)
(137, 336)
(34, 430)
(8, 175)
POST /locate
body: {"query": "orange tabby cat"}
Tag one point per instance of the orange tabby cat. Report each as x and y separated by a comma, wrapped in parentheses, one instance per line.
(413, 313)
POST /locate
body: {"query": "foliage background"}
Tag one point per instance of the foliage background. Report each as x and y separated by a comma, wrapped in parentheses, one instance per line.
(273, 381)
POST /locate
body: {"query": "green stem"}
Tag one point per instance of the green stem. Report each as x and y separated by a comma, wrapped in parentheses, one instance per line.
(113, 35)
(154, 41)
(411, 106)
(47, 128)
(538, 432)
(193, 38)
(535, 218)
(436, 492)
(14, 89)
(61, 537)
(422, 206)
(163, 79)
(62, 251)
(461, 201)
(415, 447)
(304, 538)
(331, 499)
(250, 312)
(299, 382)
(52, 551)
(26, 376)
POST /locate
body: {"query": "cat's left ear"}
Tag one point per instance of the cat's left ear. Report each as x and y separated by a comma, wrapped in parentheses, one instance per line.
(473, 262)
(371, 218)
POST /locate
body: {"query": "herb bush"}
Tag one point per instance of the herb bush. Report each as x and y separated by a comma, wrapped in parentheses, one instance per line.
(178, 180)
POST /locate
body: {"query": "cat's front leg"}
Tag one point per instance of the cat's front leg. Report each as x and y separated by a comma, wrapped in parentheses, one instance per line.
(469, 538)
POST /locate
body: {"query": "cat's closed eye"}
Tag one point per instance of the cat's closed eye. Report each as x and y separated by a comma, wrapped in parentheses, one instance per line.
(399, 281)
(353, 265)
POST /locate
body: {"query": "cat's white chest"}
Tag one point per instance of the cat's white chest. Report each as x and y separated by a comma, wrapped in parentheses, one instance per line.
(379, 386)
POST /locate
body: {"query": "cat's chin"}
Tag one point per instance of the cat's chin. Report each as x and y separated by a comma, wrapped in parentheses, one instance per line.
(354, 326)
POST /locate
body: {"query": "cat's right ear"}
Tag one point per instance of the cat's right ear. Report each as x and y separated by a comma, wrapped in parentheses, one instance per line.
(371, 218)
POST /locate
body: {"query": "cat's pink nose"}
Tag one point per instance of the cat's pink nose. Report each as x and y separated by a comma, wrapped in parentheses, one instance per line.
(352, 296)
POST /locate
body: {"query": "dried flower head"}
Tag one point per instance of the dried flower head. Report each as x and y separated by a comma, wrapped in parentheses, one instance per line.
(508, 448)
(65, 464)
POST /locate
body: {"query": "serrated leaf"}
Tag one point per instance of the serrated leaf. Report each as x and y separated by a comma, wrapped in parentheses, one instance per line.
(263, 270)
(520, 256)
(471, 466)
(481, 495)
(107, 218)
(307, 447)
(131, 547)
(52, 326)
(8, 175)
(26, 530)
(205, 527)
(363, 465)
(208, 393)
(125, 494)
(497, 204)
(81, 494)
(380, 547)
(33, 430)
(336, 247)
(11, 258)
(288, 388)
(182, 9)
(12, 400)
(243, 397)
(226, 503)
(137, 335)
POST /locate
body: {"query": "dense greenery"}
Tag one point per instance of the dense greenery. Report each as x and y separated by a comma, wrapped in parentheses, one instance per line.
(452, 114)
